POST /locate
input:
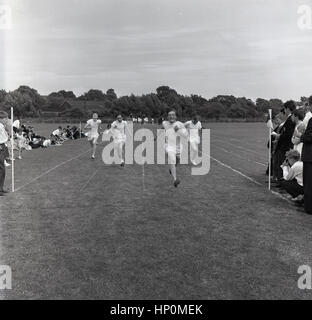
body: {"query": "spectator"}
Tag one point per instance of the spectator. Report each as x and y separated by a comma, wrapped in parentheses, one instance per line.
(278, 123)
(4, 137)
(308, 109)
(292, 173)
(284, 143)
(57, 134)
(307, 167)
(297, 118)
(16, 125)
(21, 143)
(69, 132)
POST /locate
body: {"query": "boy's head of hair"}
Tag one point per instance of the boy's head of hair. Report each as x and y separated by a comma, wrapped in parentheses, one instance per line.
(293, 155)
(290, 106)
(299, 114)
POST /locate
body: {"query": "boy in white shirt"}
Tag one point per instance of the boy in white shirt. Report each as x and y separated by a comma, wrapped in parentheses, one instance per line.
(194, 127)
(94, 126)
(118, 130)
(173, 129)
(293, 174)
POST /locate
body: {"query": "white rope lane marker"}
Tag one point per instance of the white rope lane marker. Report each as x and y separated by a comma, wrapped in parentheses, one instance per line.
(52, 169)
(250, 179)
(239, 147)
(143, 177)
(238, 156)
(89, 180)
(236, 171)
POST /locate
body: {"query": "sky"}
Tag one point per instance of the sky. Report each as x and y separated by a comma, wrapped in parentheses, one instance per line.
(251, 48)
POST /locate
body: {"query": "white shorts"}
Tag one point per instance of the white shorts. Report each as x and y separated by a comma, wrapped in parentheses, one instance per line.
(195, 140)
(93, 137)
(174, 149)
(121, 139)
(173, 153)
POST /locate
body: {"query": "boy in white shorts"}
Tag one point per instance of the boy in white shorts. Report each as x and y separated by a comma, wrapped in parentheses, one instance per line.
(94, 126)
(194, 127)
(118, 130)
(173, 128)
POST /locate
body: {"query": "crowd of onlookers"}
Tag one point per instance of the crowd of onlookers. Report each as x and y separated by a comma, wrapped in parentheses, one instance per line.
(292, 152)
(25, 138)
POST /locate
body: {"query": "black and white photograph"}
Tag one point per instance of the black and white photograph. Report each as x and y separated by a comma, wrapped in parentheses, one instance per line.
(156, 150)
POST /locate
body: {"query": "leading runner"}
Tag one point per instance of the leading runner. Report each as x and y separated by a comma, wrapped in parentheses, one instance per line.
(173, 129)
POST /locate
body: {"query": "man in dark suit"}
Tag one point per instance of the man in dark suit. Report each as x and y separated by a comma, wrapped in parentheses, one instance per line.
(306, 157)
(284, 143)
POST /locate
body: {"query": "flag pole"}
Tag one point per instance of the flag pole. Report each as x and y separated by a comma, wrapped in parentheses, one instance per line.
(80, 129)
(12, 148)
(270, 146)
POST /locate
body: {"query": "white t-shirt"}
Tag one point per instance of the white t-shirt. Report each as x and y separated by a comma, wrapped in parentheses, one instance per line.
(193, 129)
(57, 132)
(307, 118)
(94, 127)
(118, 129)
(46, 143)
(16, 124)
(3, 134)
(171, 135)
(295, 172)
(296, 139)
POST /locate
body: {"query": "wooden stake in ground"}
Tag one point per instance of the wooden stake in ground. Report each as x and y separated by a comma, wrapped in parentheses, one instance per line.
(270, 125)
(12, 148)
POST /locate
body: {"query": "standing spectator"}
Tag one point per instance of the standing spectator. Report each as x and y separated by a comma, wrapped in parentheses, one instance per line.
(307, 167)
(308, 114)
(297, 118)
(284, 143)
(278, 123)
(4, 137)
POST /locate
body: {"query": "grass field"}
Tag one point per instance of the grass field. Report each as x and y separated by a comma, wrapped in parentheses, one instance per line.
(78, 229)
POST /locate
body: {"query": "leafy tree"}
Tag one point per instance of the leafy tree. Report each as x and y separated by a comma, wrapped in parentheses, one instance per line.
(111, 95)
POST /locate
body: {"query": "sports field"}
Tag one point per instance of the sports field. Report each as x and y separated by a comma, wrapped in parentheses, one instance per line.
(78, 229)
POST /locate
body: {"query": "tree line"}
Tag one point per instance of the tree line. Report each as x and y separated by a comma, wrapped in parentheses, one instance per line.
(27, 102)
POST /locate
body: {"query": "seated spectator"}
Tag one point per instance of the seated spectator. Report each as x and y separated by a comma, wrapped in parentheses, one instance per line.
(293, 174)
(69, 133)
(46, 143)
(16, 125)
(55, 141)
(36, 142)
(58, 132)
(58, 135)
(64, 135)
(77, 133)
